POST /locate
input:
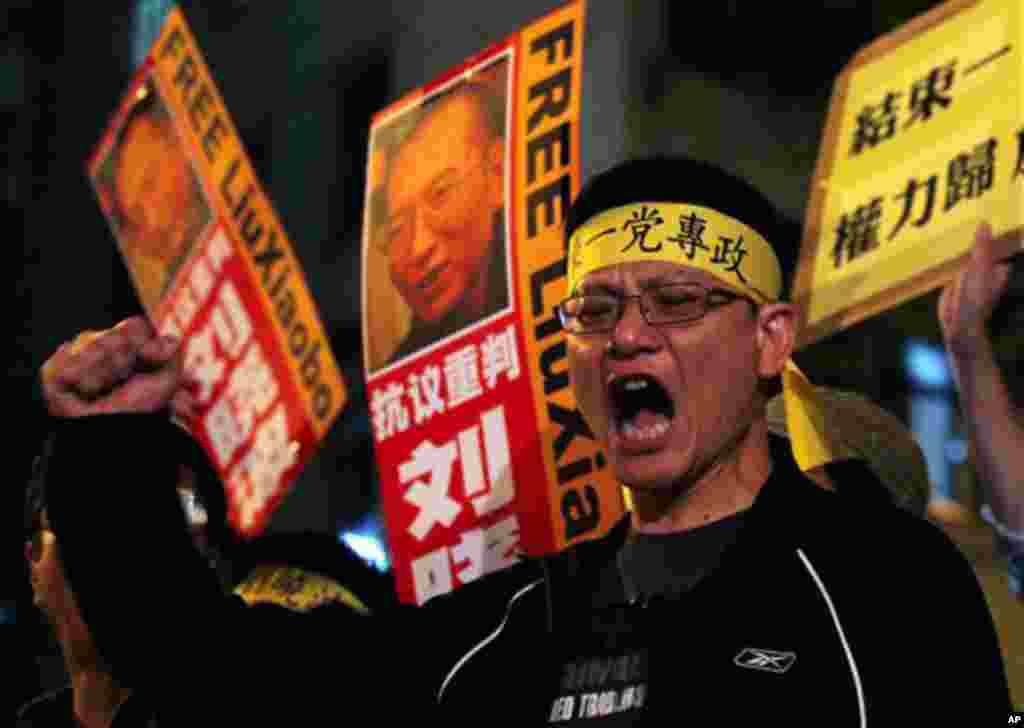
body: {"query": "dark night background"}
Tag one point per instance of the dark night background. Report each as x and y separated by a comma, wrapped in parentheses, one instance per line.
(742, 83)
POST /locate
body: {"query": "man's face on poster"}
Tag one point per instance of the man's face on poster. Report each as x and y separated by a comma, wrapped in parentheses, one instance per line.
(444, 189)
(154, 188)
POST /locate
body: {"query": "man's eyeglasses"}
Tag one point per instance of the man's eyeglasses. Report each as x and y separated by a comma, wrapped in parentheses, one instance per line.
(38, 541)
(440, 199)
(663, 305)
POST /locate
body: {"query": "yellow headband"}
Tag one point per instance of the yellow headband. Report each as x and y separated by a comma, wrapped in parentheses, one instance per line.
(735, 254)
(690, 235)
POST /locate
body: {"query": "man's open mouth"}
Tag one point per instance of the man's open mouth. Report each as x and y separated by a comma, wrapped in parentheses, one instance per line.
(427, 281)
(642, 409)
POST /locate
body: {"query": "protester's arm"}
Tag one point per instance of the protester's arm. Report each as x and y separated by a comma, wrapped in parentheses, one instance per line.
(996, 429)
(141, 586)
(156, 611)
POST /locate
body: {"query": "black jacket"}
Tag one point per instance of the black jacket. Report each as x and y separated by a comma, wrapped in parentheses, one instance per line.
(823, 611)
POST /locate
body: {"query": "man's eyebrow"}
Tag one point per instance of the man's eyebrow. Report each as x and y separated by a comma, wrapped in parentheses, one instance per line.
(600, 287)
(403, 212)
(442, 176)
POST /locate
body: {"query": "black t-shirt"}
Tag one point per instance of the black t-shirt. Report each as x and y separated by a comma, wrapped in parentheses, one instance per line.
(605, 669)
(672, 564)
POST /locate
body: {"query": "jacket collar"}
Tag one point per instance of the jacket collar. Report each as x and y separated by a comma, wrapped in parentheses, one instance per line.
(573, 576)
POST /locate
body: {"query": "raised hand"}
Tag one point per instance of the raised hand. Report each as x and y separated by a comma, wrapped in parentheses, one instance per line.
(967, 302)
(128, 368)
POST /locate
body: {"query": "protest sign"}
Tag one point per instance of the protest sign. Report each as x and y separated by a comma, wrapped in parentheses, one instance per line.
(481, 450)
(924, 140)
(213, 266)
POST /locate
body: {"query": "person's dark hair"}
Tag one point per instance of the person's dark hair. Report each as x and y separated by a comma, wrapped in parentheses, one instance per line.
(492, 110)
(684, 179)
(854, 478)
(221, 539)
(35, 490)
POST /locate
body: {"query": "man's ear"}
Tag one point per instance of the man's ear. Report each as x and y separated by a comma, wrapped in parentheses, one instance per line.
(496, 167)
(776, 336)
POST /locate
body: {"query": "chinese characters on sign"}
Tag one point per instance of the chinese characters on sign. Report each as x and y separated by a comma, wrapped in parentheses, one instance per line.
(434, 389)
(242, 415)
(879, 122)
(428, 475)
(968, 176)
(917, 151)
(457, 488)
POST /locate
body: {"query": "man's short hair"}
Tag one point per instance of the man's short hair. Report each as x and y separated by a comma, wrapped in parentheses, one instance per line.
(688, 180)
(491, 107)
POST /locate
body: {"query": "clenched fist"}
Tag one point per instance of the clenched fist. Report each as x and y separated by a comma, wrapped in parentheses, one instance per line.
(128, 368)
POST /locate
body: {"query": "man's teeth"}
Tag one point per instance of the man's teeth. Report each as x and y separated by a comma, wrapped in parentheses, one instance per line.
(644, 433)
(635, 384)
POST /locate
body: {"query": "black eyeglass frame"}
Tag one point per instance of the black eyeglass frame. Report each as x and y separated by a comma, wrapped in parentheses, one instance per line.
(729, 295)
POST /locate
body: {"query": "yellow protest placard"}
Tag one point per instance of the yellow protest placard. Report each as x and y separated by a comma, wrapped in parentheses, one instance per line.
(924, 140)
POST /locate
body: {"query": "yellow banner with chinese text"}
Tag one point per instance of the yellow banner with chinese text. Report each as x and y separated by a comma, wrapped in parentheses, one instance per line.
(923, 142)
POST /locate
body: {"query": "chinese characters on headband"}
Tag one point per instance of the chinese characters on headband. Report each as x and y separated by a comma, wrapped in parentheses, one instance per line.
(727, 254)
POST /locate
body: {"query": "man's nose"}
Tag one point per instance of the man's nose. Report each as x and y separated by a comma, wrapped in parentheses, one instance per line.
(424, 241)
(632, 334)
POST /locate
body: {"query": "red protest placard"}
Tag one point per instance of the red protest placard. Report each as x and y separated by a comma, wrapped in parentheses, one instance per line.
(481, 452)
(213, 266)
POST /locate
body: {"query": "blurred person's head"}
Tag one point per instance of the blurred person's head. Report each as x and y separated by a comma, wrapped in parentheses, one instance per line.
(52, 594)
(882, 461)
(199, 493)
(443, 192)
(308, 570)
(154, 186)
(677, 333)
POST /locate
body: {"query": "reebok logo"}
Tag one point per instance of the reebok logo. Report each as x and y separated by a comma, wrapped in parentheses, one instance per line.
(766, 660)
